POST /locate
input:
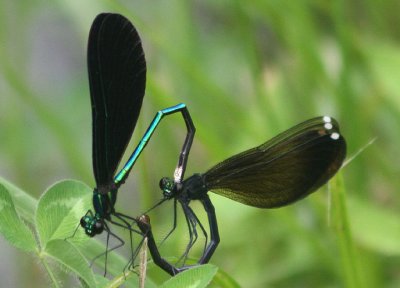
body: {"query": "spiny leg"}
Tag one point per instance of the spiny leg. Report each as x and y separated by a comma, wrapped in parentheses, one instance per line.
(174, 225)
(107, 229)
(202, 229)
(145, 227)
(128, 226)
(122, 242)
(191, 222)
(105, 263)
(131, 265)
(194, 220)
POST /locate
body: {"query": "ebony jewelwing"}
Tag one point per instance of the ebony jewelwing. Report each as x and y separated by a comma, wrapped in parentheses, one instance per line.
(277, 173)
(117, 77)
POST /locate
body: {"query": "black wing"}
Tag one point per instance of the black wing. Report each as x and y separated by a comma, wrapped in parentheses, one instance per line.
(117, 76)
(284, 169)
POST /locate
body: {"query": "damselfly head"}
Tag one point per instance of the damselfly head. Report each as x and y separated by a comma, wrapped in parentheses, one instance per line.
(167, 185)
(93, 225)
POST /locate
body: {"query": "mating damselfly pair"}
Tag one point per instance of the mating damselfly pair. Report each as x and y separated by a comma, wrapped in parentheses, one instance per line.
(279, 172)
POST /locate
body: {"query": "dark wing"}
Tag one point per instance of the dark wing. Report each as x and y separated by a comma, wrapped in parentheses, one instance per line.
(117, 76)
(284, 169)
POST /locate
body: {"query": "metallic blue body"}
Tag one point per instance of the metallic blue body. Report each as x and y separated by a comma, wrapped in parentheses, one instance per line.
(121, 176)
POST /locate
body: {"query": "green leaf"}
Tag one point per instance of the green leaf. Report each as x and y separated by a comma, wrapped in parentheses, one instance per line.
(60, 209)
(384, 61)
(25, 204)
(11, 226)
(68, 256)
(123, 279)
(101, 281)
(343, 231)
(196, 277)
(367, 221)
(222, 279)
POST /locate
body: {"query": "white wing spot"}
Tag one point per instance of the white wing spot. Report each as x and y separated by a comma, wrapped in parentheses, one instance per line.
(328, 126)
(335, 136)
(327, 119)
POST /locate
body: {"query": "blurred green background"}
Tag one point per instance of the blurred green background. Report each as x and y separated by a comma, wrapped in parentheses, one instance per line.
(247, 71)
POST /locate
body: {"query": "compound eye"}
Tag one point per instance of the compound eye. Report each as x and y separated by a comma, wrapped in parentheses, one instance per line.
(83, 221)
(163, 183)
(98, 227)
(166, 185)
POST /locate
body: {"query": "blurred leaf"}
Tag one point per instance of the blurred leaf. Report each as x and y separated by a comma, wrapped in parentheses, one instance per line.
(68, 256)
(11, 226)
(384, 60)
(223, 279)
(342, 227)
(25, 204)
(196, 277)
(122, 280)
(60, 209)
(374, 227)
(101, 281)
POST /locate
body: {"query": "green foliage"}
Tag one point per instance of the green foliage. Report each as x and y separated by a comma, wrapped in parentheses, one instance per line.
(342, 228)
(69, 257)
(379, 232)
(59, 209)
(52, 225)
(198, 277)
(12, 227)
(55, 224)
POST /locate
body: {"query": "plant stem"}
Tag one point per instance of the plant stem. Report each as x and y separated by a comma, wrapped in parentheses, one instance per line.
(48, 270)
(119, 280)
